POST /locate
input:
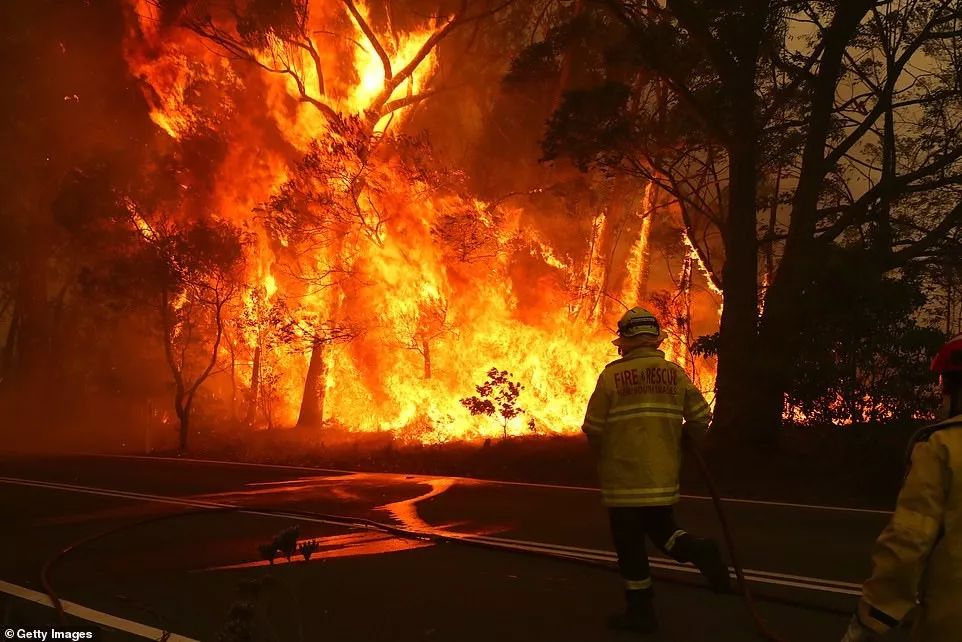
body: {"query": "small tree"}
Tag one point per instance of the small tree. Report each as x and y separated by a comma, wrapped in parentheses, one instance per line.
(867, 358)
(260, 323)
(189, 274)
(270, 390)
(497, 397)
(419, 330)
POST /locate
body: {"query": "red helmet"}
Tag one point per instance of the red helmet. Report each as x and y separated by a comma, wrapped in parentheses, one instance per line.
(949, 357)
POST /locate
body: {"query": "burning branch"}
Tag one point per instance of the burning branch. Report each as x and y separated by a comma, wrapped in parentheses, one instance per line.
(418, 331)
(371, 37)
(377, 108)
(276, 37)
(272, 35)
(382, 104)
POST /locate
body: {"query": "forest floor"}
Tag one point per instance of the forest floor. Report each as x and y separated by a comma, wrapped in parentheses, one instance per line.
(860, 466)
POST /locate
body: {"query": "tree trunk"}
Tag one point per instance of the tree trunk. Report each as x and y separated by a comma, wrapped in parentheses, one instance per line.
(737, 381)
(315, 384)
(617, 219)
(426, 353)
(684, 334)
(233, 381)
(638, 263)
(251, 415)
(644, 267)
(184, 417)
(777, 350)
(772, 229)
(949, 308)
(182, 411)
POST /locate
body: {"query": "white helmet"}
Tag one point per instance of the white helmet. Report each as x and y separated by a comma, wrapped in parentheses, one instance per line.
(638, 325)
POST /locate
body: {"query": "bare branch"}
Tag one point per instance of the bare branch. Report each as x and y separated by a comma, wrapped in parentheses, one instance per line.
(952, 220)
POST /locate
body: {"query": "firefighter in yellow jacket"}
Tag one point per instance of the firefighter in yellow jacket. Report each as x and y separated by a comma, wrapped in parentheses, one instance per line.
(642, 409)
(917, 561)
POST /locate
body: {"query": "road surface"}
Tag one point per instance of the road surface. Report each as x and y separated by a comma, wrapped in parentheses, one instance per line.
(548, 576)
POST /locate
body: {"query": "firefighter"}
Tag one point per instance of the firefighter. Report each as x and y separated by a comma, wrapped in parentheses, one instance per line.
(917, 560)
(643, 408)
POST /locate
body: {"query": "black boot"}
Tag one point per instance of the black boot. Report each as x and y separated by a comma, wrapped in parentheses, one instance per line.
(706, 556)
(639, 615)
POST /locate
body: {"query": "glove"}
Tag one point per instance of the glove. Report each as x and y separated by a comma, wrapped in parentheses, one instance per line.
(858, 632)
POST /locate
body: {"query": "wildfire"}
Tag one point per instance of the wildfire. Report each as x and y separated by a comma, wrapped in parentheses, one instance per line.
(392, 308)
(371, 73)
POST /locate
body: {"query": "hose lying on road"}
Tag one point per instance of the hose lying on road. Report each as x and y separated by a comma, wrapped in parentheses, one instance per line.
(434, 537)
(760, 625)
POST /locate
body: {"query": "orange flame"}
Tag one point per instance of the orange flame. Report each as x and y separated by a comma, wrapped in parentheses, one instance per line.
(431, 325)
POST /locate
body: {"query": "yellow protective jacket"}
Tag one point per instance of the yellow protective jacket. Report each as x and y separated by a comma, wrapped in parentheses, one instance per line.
(917, 561)
(634, 424)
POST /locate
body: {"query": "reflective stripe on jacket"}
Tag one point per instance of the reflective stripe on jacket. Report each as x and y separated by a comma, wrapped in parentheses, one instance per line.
(634, 424)
(917, 560)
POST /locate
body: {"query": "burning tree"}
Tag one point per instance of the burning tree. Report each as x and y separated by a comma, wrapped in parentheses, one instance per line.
(259, 325)
(326, 217)
(317, 217)
(470, 237)
(191, 273)
(317, 336)
(417, 331)
(349, 207)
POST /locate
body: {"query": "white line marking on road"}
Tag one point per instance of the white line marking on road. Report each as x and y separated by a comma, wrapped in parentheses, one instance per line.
(177, 501)
(730, 500)
(765, 577)
(91, 615)
(673, 563)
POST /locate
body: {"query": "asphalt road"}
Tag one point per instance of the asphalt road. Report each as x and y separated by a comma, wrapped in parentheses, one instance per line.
(170, 545)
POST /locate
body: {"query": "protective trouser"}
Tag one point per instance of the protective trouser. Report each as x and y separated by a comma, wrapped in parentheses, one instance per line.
(630, 525)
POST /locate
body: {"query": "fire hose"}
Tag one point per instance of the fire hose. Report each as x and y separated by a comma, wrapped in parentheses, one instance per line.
(747, 596)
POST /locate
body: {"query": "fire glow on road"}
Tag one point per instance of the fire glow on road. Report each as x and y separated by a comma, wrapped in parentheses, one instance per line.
(562, 552)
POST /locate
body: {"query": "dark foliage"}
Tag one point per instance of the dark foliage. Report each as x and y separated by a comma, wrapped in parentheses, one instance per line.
(863, 357)
(779, 144)
(497, 397)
